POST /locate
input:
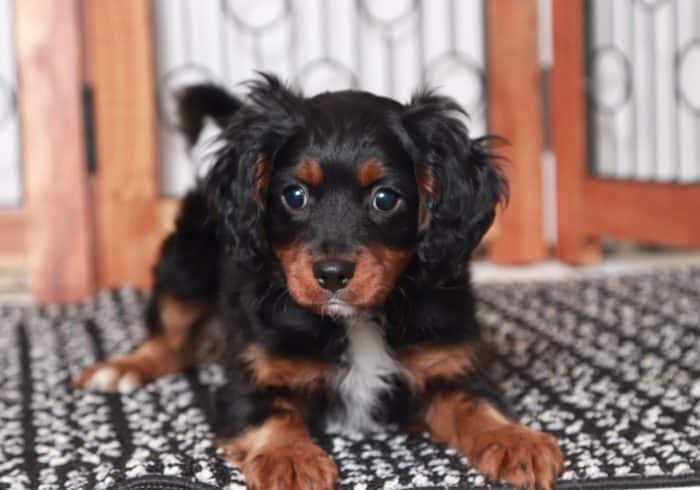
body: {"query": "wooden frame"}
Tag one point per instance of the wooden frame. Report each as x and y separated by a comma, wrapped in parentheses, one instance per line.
(664, 214)
(131, 217)
(56, 219)
(574, 244)
(515, 112)
(120, 71)
(54, 231)
(168, 209)
(590, 208)
(13, 223)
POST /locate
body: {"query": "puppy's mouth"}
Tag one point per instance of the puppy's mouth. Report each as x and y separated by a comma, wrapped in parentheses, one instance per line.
(330, 286)
(337, 308)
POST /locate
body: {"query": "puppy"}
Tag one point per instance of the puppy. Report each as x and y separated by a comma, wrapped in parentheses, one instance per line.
(323, 260)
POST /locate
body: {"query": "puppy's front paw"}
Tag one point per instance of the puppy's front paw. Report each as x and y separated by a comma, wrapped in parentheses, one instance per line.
(294, 466)
(521, 456)
(123, 375)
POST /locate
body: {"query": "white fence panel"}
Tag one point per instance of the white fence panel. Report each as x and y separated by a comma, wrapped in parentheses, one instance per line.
(390, 47)
(644, 81)
(10, 166)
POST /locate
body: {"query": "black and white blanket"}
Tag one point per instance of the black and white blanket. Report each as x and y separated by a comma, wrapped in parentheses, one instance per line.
(610, 365)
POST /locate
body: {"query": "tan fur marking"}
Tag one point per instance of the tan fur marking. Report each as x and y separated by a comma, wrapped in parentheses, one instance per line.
(152, 359)
(262, 178)
(426, 190)
(166, 352)
(426, 363)
(309, 172)
(376, 271)
(370, 172)
(425, 180)
(296, 262)
(277, 430)
(280, 453)
(295, 374)
(177, 318)
(496, 446)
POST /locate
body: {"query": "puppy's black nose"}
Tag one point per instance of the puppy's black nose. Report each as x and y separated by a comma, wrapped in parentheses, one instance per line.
(333, 274)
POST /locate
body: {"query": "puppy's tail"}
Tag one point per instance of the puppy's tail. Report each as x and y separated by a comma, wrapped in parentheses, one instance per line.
(196, 102)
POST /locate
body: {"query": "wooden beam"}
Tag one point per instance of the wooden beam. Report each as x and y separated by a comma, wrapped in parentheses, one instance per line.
(120, 68)
(168, 210)
(49, 68)
(660, 214)
(568, 118)
(515, 112)
(13, 228)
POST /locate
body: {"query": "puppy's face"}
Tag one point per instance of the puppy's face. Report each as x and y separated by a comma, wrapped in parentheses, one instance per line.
(342, 206)
(344, 190)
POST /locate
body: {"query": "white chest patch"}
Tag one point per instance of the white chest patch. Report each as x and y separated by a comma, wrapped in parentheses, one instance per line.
(367, 375)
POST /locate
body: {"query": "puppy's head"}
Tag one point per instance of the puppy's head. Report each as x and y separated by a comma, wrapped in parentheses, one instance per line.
(345, 190)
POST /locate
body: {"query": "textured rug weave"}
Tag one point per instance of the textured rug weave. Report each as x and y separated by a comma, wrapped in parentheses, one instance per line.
(609, 365)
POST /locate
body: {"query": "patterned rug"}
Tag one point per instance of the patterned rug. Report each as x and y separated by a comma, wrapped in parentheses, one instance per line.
(610, 365)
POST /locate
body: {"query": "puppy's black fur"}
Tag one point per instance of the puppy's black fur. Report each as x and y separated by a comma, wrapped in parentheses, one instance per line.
(324, 219)
(225, 250)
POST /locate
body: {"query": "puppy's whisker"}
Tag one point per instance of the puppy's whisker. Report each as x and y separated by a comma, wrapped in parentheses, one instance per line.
(281, 294)
(403, 293)
(409, 277)
(258, 302)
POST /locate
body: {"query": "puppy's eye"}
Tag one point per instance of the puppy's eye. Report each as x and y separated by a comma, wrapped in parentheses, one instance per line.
(294, 197)
(385, 200)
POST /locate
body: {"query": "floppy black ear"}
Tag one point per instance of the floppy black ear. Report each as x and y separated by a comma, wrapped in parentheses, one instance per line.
(460, 183)
(237, 182)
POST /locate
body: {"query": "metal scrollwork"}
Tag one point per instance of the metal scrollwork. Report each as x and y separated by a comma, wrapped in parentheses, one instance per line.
(681, 90)
(452, 63)
(282, 10)
(175, 79)
(617, 56)
(8, 102)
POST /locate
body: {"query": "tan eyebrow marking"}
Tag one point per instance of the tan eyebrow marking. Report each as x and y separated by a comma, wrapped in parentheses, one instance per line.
(309, 172)
(370, 171)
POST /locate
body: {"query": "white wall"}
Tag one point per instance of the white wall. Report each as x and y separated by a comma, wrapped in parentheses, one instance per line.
(650, 51)
(10, 168)
(225, 42)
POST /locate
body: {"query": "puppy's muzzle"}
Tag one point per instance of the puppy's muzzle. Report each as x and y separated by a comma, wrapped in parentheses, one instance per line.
(333, 274)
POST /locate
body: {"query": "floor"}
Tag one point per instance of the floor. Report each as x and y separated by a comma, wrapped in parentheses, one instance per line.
(627, 261)
(13, 285)
(13, 280)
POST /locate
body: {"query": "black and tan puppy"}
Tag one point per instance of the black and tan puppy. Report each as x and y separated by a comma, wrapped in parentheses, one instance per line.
(324, 258)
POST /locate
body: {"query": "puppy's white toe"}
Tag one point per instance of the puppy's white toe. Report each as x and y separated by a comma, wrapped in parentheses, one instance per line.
(129, 382)
(103, 379)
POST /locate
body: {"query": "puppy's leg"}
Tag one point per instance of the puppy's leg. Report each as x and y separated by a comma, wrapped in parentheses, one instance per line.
(279, 453)
(186, 285)
(165, 351)
(498, 447)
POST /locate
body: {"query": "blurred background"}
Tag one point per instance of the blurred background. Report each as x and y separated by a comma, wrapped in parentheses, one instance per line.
(599, 100)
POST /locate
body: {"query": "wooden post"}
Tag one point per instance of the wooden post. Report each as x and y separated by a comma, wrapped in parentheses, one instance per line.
(120, 70)
(13, 227)
(569, 132)
(515, 112)
(58, 241)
